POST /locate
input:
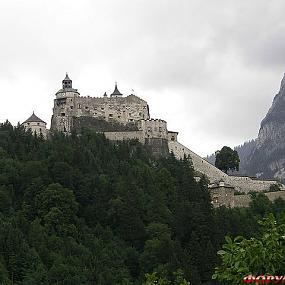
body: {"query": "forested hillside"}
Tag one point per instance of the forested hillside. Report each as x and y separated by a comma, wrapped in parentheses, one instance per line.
(83, 210)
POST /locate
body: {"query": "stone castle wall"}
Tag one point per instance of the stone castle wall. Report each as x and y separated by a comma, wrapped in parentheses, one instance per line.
(247, 184)
(199, 163)
(120, 136)
(121, 109)
(242, 184)
(153, 128)
(244, 200)
(124, 110)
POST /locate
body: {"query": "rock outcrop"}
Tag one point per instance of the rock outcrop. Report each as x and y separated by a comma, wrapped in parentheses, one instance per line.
(267, 158)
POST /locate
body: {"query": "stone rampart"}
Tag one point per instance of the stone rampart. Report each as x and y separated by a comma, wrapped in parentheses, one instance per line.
(241, 183)
(244, 200)
(247, 184)
(199, 163)
(120, 136)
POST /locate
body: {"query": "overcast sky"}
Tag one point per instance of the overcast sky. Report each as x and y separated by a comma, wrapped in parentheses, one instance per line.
(210, 68)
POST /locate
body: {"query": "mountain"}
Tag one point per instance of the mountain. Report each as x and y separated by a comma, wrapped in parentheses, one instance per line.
(268, 157)
(264, 157)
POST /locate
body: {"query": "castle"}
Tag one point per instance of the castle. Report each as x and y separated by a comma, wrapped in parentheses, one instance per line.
(125, 118)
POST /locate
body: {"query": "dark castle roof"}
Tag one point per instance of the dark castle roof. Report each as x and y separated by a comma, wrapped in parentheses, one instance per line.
(116, 92)
(33, 119)
(66, 77)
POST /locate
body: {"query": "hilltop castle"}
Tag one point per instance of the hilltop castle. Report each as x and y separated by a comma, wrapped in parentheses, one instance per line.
(117, 116)
(125, 118)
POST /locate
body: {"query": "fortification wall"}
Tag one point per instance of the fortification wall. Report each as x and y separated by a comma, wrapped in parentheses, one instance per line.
(242, 184)
(157, 146)
(153, 128)
(247, 184)
(244, 200)
(199, 163)
(120, 136)
(121, 109)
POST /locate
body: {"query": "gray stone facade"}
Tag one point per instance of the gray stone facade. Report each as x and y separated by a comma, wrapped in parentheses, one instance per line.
(222, 194)
(68, 104)
(118, 117)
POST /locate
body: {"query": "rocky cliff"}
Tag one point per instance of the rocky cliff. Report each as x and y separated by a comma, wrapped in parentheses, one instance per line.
(264, 157)
(268, 157)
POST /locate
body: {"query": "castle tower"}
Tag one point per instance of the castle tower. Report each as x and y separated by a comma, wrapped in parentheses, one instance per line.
(66, 82)
(65, 106)
(36, 125)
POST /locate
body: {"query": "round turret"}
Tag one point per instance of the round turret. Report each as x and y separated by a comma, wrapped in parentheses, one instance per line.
(36, 125)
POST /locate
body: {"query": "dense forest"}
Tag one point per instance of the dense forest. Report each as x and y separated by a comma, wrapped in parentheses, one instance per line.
(80, 209)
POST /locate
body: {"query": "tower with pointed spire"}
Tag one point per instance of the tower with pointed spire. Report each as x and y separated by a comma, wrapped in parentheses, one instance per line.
(66, 82)
(116, 92)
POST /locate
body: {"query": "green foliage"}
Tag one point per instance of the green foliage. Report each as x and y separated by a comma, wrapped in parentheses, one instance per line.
(263, 255)
(153, 279)
(227, 159)
(82, 210)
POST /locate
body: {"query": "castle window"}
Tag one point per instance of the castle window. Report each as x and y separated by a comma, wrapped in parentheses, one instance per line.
(160, 129)
(86, 107)
(28, 124)
(102, 108)
(111, 115)
(38, 124)
(79, 106)
(71, 107)
(62, 114)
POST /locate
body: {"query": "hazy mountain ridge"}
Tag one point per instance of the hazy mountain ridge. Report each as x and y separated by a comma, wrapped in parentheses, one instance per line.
(264, 157)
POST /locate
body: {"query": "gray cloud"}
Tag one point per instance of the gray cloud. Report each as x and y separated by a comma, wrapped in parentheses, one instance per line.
(210, 68)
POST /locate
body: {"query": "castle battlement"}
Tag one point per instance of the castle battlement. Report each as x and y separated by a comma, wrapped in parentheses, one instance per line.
(155, 120)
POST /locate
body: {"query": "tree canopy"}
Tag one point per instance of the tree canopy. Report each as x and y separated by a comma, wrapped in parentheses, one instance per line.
(227, 159)
(243, 257)
(80, 209)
